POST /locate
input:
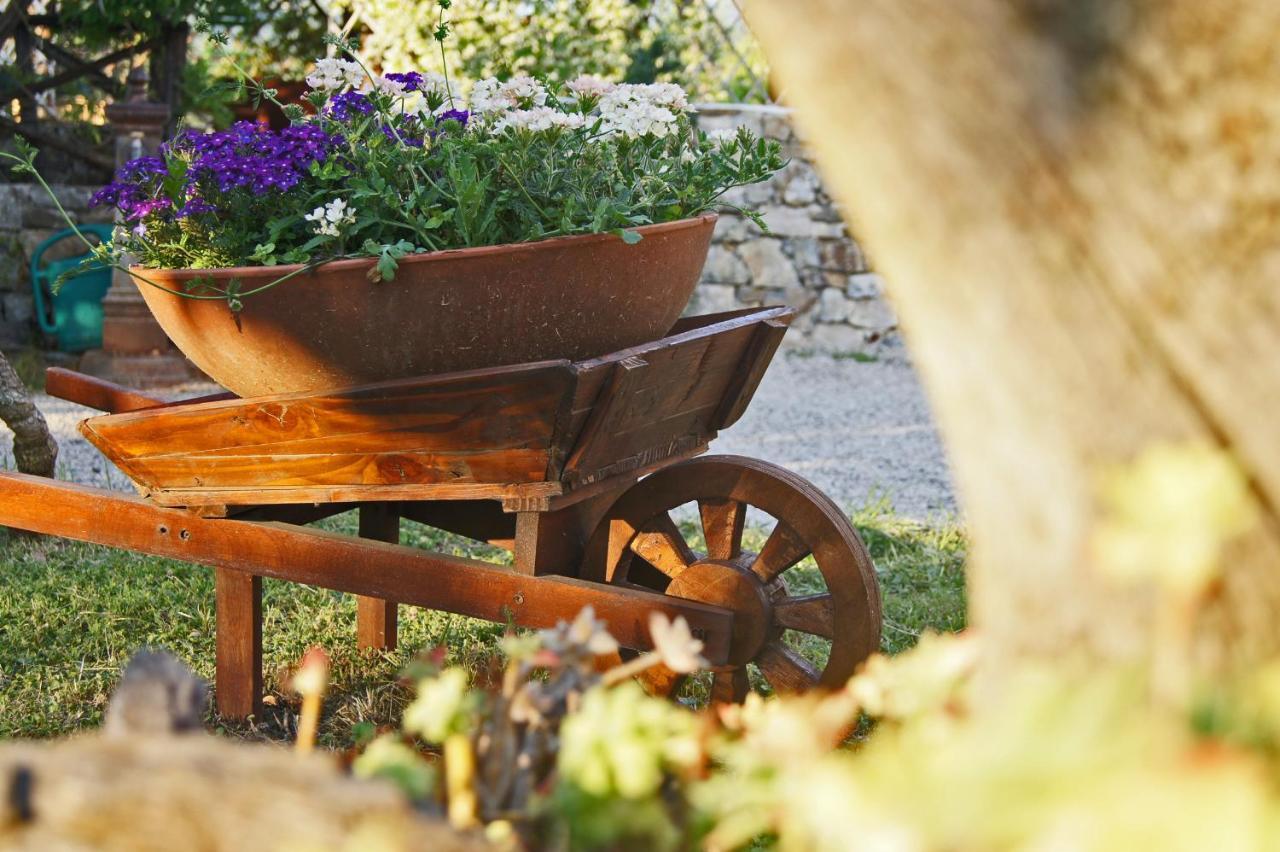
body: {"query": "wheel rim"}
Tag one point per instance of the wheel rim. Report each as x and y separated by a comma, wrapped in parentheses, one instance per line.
(638, 543)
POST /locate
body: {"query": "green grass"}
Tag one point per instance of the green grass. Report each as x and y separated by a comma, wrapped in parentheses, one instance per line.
(71, 615)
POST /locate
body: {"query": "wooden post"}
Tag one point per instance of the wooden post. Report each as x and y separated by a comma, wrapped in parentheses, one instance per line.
(376, 619)
(238, 682)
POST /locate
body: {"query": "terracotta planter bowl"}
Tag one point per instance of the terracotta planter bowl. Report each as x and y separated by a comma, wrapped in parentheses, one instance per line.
(570, 297)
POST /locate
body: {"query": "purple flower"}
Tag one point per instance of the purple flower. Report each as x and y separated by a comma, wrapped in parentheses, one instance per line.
(459, 115)
(348, 104)
(411, 80)
(195, 207)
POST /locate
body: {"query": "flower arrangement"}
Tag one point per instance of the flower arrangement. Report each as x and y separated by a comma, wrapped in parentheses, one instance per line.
(385, 165)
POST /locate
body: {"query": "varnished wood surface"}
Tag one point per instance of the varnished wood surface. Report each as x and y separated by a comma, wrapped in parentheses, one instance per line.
(377, 619)
(344, 563)
(238, 616)
(484, 427)
(524, 434)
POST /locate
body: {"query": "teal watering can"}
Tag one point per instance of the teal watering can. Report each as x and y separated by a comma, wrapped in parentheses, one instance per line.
(74, 315)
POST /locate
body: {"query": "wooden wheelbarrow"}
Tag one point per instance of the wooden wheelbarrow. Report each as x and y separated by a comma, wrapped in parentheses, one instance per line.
(576, 467)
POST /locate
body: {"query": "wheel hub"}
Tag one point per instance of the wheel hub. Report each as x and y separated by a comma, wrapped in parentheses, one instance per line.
(732, 586)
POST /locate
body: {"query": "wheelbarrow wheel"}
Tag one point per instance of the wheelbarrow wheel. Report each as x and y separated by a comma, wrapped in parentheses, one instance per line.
(806, 602)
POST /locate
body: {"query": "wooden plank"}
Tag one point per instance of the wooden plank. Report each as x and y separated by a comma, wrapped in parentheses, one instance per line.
(492, 426)
(663, 402)
(768, 338)
(100, 394)
(94, 392)
(377, 618)
(347, 564)
(238, 666)
(534, 493)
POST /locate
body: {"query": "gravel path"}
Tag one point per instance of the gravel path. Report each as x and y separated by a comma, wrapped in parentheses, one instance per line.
(860, 431)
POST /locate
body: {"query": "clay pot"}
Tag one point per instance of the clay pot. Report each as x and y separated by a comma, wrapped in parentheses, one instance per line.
(569, 297)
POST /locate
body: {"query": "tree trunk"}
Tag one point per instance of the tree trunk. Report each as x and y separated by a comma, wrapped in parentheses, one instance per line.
(1075, 205)
(34, 450)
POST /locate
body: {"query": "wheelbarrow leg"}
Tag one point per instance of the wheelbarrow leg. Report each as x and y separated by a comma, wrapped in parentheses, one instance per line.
(376, 619)
(238, 685)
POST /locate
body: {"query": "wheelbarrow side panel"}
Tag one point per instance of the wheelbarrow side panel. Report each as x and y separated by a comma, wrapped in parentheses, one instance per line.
(667, 399)
(399, 439)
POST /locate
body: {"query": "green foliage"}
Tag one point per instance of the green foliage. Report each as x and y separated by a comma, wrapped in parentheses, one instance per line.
(640, 41)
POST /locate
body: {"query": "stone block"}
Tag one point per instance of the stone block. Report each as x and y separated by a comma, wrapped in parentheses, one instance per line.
(732, 228)
(798, 222)
(45, 216)
(768, 265)
(725, 267)
(18, 307)
(804, 251)
(833, 306)
(873, 314)
(801, 185)
(837, 338)
(841, 255)
(712, 298)
(865, 285)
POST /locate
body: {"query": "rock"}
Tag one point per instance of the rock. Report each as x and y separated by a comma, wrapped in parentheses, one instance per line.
(725, 267)
(732, 228)
(797, 222)
(873, 314)
(841, 256)
(804, 251)
(18, 307)
(769, 266)
(832, 305)
(866, 285)
(43, 216)
(801, 187)
(837, 338)
(712, 299)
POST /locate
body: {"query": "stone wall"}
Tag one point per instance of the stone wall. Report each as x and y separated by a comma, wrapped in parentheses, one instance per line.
(808, 261)
(27, 217)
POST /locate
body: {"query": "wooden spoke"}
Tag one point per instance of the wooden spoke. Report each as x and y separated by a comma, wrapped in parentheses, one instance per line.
(785, 669)
(662, 546)
(722, 524)
(809, 614)
(730, 686)
(784, 548)
(846, 615)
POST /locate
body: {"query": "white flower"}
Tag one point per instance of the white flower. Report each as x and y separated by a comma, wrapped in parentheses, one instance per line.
(332, 74)
(589, 86)
(330, 218)
(674, 642)
(643, 110)
(538, 118)
(490, 97)
(393, 88)
(525, 91)
(586, 632)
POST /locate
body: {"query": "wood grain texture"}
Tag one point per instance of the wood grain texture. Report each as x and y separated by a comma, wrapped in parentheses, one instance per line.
(344, 563)
(650, 402)
(1076, 210)
(238, 643)
(487, 427)
(377, 618)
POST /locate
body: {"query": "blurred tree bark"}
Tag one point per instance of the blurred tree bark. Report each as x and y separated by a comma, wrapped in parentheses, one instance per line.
(34, 450)
(1075, 205)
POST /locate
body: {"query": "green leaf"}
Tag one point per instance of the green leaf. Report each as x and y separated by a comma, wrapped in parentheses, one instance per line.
(629, 237)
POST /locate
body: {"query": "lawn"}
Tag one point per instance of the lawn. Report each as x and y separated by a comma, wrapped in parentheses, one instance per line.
(71, 615)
